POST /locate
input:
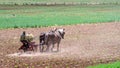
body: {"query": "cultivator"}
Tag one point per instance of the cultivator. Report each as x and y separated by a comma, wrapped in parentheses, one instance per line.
(32, 47)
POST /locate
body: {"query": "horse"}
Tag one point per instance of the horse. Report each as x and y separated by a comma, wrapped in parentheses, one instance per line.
(51, 38)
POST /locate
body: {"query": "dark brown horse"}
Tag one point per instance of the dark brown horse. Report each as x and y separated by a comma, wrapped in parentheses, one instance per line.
(42, 41)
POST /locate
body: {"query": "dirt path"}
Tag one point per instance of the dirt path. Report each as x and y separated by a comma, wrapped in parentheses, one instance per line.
(84, 45)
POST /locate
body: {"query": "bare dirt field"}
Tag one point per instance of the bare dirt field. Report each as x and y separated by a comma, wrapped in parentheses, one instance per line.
(84, 45)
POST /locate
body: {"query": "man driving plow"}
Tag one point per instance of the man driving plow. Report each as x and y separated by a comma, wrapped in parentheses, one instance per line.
(26, 40)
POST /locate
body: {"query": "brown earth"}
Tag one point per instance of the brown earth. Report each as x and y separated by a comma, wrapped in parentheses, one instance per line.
(84, 45)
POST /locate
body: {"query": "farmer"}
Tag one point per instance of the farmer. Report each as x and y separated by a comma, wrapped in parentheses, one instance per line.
(26, 39)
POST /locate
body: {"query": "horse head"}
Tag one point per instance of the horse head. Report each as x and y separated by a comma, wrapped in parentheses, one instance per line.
(61, 32)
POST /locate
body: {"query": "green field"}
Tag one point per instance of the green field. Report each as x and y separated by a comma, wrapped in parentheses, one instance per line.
(37, 16)
(36, 1)
(110, 65)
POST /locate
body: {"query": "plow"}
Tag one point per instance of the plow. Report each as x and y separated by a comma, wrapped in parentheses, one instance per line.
(32, 47)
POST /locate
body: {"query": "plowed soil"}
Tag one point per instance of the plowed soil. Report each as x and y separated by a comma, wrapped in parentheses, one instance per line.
(83, 45)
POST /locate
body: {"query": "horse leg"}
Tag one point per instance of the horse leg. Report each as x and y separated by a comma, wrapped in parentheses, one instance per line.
(58, 44)
(52, 44)
(58, 47)
(47, 49)
(41, 48)
(52, 47)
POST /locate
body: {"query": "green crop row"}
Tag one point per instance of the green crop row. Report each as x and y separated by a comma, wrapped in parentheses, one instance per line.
(41, 16)
(110, 65)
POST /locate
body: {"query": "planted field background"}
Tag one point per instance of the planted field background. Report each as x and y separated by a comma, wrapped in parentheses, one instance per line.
(39, 16)
(22, 2)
